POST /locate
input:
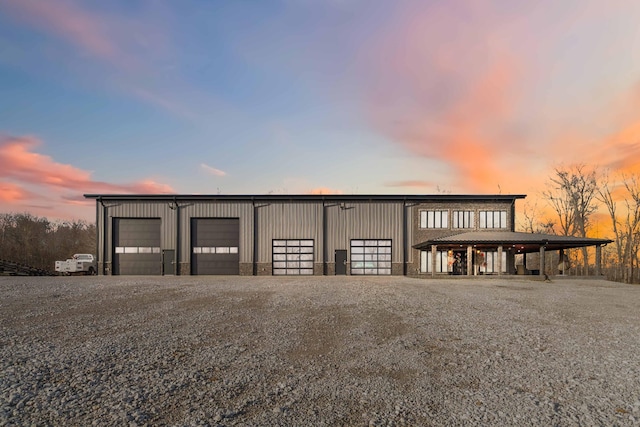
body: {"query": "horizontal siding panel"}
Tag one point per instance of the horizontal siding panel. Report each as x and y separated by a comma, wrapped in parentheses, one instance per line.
(137, 209)
(365, 220)
(241, 210)
(293, 220)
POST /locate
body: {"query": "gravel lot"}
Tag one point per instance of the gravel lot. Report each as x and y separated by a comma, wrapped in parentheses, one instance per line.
(318, 351)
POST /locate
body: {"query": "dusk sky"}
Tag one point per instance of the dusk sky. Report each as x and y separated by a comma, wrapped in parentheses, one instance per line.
(310, 96)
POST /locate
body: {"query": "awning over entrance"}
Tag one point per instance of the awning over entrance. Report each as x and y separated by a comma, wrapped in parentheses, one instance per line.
(520, 242)
(512, 242)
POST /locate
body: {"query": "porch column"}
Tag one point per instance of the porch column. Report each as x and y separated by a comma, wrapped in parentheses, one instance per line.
(561, 257)
(541, 271)
(598, 259)
(500, 260)
(434, 251)
(469, 260)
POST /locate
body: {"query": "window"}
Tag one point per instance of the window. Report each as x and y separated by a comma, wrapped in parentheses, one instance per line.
(464, 219)
(443, 261)
(434, 219)
(370, 257)
(136, 250)
(215, 250)
(292, 257)
(488, 262)
(493, 219)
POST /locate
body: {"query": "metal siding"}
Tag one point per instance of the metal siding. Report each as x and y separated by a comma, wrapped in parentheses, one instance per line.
(160, 210)
(292, 220)
(365, 220)
(241, 210)
(215, 232)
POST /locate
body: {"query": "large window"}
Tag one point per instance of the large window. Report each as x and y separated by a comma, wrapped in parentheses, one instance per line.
(493, 219)
(292, 257)
(371, 257)
(489, 262)
(443, 261)
(434, 219)
(464, 219)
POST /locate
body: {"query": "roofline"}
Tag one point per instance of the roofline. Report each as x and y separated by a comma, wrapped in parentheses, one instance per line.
(308, 197)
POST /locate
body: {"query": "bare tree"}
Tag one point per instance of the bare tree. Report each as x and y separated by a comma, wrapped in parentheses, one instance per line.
(571, 193)
(532, 222)
(625, 224)
(38, 242)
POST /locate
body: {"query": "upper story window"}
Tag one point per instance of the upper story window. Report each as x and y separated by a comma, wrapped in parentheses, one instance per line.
(493, 219)
(434, 219)
(464, 219)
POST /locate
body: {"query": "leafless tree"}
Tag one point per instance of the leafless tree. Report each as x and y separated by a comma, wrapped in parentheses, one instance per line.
(626, 223)
(571, 193)
(532, 222)
(38, 242)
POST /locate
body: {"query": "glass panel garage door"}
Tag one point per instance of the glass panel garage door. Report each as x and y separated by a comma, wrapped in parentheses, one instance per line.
(292, 257)
(371, 257)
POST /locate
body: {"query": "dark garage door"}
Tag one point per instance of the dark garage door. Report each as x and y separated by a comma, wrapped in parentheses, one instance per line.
(214, 246)
(137, 246)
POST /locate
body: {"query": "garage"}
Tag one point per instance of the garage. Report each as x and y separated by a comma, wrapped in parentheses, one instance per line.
(371, 257)
(214, 246)
(137, 246)
(292, 257)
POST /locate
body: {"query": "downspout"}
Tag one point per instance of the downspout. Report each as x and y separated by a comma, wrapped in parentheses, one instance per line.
(404, 237)
(324, 238)
(255, 237)
(104, 238)
(176, 260)
(97, 235)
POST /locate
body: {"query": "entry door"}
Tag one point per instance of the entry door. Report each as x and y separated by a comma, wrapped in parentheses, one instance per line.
(341, 262)
(168, 262)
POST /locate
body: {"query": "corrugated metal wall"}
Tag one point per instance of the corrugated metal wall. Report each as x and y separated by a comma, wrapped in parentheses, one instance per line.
(242, 210)
(276, 220)
(139, 209)
(290, 220)
(364, 220)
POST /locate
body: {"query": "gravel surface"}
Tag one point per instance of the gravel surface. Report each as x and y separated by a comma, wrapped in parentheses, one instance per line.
(271, 351)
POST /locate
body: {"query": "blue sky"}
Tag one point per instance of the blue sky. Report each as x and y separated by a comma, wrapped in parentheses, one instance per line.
(303, 96)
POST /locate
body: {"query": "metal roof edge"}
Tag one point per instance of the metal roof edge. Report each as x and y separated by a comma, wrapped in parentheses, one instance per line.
(310, 197)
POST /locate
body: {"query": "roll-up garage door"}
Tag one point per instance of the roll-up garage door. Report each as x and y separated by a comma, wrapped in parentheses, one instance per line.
(292, 257)
(137, 246)
(214, 246)
(371, 257)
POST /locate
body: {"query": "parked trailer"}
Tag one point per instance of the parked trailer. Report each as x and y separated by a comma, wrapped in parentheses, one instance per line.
(79, 264)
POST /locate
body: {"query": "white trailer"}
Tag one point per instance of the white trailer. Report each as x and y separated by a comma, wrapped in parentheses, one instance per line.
(79, 264)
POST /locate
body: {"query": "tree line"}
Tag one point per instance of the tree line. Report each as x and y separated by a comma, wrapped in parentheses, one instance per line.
(575, 194)
(39, 242)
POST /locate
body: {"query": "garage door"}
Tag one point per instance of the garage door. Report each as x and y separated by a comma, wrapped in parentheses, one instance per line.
(293, 257)
(214, 246)
(371, 256)
(137, 246)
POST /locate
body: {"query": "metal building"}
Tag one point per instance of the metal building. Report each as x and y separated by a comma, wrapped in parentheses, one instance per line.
(308, 234)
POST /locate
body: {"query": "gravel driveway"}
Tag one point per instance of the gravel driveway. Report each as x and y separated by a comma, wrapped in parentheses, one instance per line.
(267, 351)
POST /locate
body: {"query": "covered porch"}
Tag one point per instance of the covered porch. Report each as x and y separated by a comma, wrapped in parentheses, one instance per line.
(494, 252)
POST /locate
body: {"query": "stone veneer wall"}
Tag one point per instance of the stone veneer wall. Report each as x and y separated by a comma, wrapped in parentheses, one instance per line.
(422, 234)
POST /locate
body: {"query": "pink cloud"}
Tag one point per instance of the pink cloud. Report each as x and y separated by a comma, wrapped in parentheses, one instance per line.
(211, 170)
(325, 190)
(130, 49)
(12, 193)
(71, 23)
(21, 166)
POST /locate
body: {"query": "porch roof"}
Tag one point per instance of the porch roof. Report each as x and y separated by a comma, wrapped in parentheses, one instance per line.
(518, 241)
